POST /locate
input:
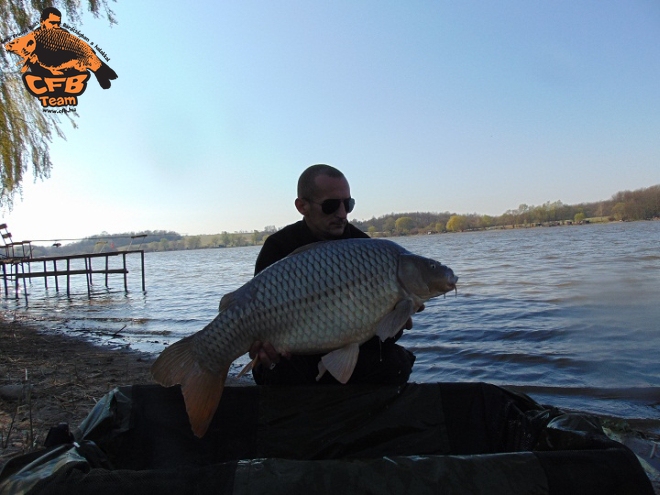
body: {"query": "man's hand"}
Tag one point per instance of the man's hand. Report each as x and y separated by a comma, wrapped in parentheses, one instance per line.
(264, 354)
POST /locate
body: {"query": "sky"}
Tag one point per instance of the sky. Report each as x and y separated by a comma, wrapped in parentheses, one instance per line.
(461, 106)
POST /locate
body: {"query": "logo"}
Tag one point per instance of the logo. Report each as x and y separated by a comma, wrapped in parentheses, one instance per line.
(56, 63)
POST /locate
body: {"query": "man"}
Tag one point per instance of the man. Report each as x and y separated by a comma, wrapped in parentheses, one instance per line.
(324, 200)
(51, 18)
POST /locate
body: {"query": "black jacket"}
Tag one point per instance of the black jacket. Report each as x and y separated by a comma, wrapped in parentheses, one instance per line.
(378, 362)
(284, 242)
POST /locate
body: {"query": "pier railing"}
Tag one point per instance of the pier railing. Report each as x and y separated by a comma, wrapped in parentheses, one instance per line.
(14, 269)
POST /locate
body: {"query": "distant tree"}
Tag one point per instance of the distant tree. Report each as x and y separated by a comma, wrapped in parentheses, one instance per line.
(226, 239)
(193, 242)
(485, 222)
(554, 211)
(257, 237)
(25, 130)
(440, 227)
(371, 230)
(389, 224)
(457, 223)
(523, 214)
(579, 217)
(473, 221)
(619, 211)
(238, 240)
(404, 224)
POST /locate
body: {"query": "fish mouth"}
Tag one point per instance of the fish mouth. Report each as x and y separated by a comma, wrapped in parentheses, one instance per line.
(451, 284)
(444, 284)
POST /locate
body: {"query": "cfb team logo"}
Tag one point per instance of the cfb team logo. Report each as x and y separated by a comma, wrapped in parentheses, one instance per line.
(56, 64)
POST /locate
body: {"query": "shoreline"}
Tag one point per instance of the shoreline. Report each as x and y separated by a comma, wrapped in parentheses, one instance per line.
(47, 379)
(206, 240)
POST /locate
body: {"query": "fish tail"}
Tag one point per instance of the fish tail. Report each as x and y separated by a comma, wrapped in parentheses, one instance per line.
(104, 74)
(201, 388)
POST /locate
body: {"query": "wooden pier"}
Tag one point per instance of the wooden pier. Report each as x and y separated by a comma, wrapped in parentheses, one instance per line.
(14, 269)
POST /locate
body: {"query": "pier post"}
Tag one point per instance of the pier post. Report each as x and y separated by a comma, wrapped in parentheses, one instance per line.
(4, 278)
(142, 266)
(15, 266)
(57, 287)
(125, 273)
(25, 292)
(89, 269)
(68, 277)
(88, 276)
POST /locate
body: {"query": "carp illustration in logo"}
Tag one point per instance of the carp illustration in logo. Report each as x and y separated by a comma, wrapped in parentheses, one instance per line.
(51, 51)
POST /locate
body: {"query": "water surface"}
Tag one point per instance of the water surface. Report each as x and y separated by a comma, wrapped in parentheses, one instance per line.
(570, 315)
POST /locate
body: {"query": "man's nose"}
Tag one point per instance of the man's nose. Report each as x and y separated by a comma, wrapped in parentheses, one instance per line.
(341, 211)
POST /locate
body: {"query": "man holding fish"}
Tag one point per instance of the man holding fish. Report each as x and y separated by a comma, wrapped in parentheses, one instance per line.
(325, 298)
(324, 200)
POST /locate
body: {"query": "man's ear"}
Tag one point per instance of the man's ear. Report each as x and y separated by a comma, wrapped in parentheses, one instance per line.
(302, 206)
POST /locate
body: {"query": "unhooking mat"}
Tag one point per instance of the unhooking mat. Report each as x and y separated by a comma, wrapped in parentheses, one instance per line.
(443, 438)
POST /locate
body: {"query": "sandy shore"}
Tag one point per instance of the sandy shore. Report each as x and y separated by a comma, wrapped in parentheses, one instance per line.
(65, 377)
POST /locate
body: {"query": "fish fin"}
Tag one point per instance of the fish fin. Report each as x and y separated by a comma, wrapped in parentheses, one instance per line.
(242, 294)
(322, 371)
(307, 247)
(248, 367)
(201, 388)
(202, 391)
(393, 321)
(173, 363)
(227, 300)
(340, 363)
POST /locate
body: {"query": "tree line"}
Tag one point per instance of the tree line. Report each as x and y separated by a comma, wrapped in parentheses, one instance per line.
(641, 204)
(150, 241)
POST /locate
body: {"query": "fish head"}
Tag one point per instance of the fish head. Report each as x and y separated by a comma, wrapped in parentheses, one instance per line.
(425, 278)
(23, 46)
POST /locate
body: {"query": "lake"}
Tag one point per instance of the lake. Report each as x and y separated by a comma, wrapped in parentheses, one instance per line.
(569, 315)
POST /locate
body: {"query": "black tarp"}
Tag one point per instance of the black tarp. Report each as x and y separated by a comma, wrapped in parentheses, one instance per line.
(417, 438)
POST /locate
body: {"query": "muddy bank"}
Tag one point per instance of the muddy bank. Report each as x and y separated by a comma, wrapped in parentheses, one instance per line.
(48, 379)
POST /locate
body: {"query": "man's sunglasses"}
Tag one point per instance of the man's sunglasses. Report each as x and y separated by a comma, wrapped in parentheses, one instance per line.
(329, 206)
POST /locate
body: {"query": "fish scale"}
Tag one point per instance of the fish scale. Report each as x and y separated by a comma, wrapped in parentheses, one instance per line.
(324, 298)
(295, 295)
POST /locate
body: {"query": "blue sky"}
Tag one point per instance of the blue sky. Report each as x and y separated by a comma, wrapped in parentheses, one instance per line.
(469, 107)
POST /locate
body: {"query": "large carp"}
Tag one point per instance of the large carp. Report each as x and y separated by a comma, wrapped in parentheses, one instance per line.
(326, 297)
